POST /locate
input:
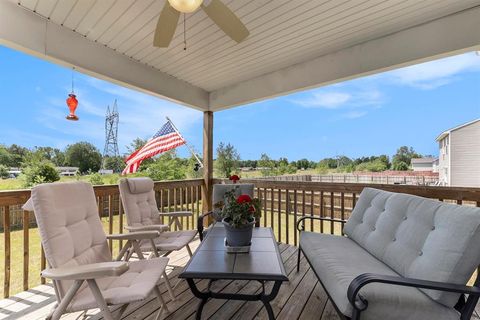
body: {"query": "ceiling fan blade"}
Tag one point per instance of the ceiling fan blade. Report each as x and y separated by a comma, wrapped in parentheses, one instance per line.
(226, 20)
(166, 25)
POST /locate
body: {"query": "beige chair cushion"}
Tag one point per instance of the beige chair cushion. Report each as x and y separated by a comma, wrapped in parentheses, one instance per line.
(140, 205)
(170, 241)
(138, 199)
(134, 285)
(69, 226)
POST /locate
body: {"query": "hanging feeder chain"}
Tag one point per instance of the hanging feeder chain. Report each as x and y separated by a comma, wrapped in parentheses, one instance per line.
(73, 69)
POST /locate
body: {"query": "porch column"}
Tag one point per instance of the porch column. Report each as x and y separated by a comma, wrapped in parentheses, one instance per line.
(207, 161)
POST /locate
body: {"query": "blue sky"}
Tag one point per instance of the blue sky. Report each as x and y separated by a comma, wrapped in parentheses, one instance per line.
(367, 116)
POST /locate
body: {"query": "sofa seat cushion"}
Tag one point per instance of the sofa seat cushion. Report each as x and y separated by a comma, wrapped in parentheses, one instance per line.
(338, 260)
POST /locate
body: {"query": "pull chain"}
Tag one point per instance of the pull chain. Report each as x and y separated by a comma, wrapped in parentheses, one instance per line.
(184, 33)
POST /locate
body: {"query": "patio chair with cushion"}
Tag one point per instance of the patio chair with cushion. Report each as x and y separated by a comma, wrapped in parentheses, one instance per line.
(218, 195)
(140, 206)
(79, 259)
(403, 257)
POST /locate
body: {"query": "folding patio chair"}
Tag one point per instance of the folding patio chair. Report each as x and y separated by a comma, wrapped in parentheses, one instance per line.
(140, 206)
(80, 263)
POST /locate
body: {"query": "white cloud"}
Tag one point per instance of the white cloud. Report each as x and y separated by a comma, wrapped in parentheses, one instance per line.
(433, 74)
(327, 100)
(354, 114)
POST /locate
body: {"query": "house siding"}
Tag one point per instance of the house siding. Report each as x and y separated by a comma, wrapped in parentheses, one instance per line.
(444, 161)
(465, 156)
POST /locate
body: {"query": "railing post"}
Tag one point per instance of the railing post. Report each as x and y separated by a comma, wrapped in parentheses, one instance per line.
(7, 251)
(207, 161)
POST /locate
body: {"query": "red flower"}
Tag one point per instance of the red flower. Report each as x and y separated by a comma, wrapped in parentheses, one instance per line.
(234, 178)
(244, 198)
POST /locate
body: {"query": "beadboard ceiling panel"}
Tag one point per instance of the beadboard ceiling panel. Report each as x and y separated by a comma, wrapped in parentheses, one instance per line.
(282, 32)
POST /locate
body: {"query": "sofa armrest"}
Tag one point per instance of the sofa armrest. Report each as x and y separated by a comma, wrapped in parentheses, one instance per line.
(87, 271)
(301, 222)
(200, 224)
(362, 280)
(151, 227)
(140, 235)
(176, 214)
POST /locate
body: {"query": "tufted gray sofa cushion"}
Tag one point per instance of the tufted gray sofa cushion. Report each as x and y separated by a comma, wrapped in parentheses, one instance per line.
(418, 237)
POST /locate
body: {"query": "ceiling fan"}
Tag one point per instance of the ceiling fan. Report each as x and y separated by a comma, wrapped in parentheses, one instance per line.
(223, 17)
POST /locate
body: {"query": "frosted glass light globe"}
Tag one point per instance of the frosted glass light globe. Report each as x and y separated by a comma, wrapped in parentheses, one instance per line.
(185, 6)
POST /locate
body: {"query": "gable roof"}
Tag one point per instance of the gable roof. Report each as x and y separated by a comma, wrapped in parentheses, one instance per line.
(447, 132)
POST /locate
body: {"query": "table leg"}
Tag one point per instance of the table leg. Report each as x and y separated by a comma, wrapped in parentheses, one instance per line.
(266, 298)
(204, 296)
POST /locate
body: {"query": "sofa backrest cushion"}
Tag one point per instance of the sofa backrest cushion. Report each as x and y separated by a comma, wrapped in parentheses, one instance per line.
(418, 237)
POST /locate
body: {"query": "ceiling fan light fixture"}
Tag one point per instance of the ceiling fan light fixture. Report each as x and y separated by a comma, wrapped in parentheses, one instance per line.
(185, 6)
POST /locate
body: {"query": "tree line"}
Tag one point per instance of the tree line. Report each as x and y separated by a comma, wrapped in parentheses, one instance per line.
(228, 161)
(39, 164)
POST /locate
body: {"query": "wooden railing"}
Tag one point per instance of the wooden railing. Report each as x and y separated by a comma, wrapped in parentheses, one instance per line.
(21, 242)
(283, 203)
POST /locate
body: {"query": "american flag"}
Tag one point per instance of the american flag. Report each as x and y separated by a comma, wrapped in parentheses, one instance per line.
(165, 139)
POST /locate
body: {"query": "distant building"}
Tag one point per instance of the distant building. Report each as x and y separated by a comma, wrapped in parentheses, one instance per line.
(67, 171)
(459, 156)
(425, 164)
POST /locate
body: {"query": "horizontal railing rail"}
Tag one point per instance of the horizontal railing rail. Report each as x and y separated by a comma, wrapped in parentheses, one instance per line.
(283, 204)
(21, 241)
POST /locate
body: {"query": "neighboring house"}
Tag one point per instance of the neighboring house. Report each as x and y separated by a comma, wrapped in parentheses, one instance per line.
(67, 171)
(424, 164)
(459, 156)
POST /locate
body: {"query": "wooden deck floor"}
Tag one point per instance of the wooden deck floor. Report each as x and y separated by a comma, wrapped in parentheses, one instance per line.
(301, 298)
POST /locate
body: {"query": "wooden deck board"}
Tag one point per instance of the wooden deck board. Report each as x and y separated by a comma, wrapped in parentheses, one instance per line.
(302, 298)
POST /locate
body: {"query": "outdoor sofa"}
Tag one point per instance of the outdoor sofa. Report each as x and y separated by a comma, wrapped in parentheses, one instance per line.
(402, 257)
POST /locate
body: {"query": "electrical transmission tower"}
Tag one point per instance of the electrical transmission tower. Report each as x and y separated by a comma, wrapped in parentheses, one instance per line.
(111, 134)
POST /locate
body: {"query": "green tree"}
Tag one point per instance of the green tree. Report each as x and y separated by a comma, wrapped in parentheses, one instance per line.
(376, 165)
(404, 157)
(37, 172)
(303, 164)
(4, 172)
(266, 165)
(6, 157)
(56, 156)
(167, 167)
(227, 159)
(83, 155)
(18, 154)
(114, 163)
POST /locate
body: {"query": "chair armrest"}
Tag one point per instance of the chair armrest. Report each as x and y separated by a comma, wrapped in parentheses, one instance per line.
(302, 221)
(362, 280)
(140, 235)
(87, 271)
(176, 214)
(151, 227)
(200, 224)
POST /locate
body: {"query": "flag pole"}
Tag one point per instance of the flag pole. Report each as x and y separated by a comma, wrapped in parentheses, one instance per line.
(188, 146)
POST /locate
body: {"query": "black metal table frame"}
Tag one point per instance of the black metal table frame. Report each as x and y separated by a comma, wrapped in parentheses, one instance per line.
(206, 295)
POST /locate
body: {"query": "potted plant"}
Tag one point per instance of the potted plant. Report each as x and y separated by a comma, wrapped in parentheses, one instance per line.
(239, 214)
(234, 178)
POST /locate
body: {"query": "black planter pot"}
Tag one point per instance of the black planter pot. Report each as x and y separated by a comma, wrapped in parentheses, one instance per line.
(238, 237)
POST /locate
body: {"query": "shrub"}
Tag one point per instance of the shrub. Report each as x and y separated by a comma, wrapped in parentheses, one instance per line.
(96, 179)
(4, 172)
(39, 172)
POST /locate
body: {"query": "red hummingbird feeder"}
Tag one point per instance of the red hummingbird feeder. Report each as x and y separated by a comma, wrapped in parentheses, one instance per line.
(72, 103)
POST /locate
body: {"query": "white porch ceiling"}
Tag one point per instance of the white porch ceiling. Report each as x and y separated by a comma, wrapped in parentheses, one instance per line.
(284, 34)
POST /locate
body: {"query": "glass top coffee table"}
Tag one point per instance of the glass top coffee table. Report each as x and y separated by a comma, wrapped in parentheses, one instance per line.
(211, 261)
